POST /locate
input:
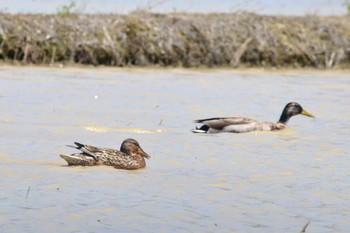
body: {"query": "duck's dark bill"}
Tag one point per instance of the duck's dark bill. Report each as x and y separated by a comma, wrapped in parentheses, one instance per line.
(143, 154)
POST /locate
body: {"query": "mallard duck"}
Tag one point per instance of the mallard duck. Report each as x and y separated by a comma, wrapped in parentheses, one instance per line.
(130, 157)
(243, 125)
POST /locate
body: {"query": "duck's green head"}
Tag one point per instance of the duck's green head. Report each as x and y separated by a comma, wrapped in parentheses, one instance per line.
(293, 109)
(131, 147)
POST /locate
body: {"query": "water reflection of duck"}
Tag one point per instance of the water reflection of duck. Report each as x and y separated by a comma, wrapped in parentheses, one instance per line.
(242, 125)
(130, 157)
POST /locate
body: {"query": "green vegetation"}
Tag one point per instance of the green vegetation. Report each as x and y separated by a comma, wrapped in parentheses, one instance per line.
(347, 5)
(67, 9)
(72, 8)
(177, 40)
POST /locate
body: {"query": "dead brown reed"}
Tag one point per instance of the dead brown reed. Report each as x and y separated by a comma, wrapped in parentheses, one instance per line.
(178, 40)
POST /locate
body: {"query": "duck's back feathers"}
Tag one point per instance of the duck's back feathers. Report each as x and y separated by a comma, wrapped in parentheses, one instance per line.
(219, 123)
(224, 124)
(92, 151)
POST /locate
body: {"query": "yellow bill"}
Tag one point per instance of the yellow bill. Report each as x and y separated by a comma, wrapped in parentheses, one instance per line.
(305, 113)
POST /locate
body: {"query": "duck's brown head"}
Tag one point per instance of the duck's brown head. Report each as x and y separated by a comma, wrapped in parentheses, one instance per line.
(132, 147)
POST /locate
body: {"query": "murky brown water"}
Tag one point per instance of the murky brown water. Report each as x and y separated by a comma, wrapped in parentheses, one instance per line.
(255, 182)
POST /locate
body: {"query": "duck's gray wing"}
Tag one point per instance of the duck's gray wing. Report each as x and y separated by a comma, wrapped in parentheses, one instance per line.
(219, 123)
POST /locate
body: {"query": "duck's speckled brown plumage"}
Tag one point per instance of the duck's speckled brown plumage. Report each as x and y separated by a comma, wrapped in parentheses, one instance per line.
(242, 125)
(130, 157)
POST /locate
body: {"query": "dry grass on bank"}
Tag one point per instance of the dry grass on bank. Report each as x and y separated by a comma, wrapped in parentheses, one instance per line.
(177, 40)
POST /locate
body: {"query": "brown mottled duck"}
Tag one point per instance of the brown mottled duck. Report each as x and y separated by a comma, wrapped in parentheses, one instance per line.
(130, 157)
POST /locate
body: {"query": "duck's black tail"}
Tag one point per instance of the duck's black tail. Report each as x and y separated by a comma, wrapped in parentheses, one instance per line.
(77, 145)
(84, 150)
(202, 129)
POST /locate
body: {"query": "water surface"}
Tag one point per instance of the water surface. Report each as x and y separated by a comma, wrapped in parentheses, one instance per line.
(254, 182)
